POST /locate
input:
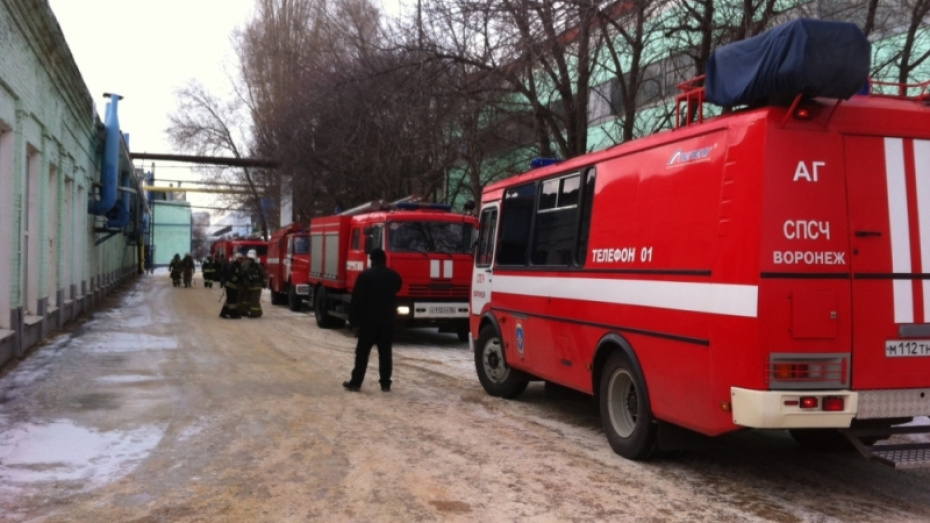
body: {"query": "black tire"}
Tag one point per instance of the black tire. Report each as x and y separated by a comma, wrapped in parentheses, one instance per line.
(497, 378)
(462, 330)
(294, 301)
(277, 298)
(323, 319)
(625, 409)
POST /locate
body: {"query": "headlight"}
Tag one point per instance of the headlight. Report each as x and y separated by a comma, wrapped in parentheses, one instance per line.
(403, 309)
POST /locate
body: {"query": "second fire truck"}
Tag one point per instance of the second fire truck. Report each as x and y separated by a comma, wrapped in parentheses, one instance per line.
(430, 246)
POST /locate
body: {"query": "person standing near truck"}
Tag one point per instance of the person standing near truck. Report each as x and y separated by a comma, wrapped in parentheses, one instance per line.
(373, 311)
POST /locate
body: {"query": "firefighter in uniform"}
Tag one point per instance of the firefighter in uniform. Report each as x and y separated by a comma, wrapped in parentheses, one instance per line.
(231, 279)
(251, 292)
(222, 265)
(209, 271)
(187, 268)
(175, 269)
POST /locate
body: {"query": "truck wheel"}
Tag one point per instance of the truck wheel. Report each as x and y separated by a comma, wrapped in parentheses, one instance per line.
(462, 330)
(294, 301)
(323, 319)
(497, 378)
(276, 298)
(625, 412)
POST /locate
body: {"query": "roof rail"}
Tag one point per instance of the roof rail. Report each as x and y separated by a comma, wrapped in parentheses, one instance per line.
(919, 92)
(689, 103)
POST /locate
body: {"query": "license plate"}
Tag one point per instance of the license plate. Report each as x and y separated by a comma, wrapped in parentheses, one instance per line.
(906, 348)
(442, 310)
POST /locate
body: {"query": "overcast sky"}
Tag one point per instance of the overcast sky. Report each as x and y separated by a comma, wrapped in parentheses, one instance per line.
(145, 50)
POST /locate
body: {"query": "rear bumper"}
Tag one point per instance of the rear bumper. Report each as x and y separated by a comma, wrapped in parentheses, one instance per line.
(766, 409)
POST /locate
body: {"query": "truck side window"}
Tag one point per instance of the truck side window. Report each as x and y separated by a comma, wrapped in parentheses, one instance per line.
(584, 217)
(516, 217)
(356, 241)
(556, 219)
(373, 238)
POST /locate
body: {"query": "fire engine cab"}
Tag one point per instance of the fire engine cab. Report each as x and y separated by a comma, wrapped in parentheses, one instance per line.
(288, 266)
(766, 268)
(230, 246)
(427, 244)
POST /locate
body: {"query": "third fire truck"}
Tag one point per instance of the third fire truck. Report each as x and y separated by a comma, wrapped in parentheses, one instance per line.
(288, 266)
(767, 268)
(430, 246)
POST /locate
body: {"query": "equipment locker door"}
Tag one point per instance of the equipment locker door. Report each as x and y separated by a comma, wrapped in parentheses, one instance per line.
(888, 188)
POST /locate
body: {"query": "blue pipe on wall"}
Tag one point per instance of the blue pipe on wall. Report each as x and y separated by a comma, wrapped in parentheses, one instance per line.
(111, 149)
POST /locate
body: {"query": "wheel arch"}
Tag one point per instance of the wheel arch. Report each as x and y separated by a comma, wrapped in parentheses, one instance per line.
(609, 344)
(488, 319)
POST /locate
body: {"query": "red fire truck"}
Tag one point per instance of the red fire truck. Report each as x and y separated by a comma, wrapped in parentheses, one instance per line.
(426, 243)
(767, 268)
(229, 246)
(288, 266)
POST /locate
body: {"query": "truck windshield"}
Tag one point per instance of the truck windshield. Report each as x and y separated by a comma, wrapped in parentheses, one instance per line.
(447, 237)
(261, 250)
(301, 245)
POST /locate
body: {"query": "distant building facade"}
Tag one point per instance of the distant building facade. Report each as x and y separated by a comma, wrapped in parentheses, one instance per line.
(171, 230)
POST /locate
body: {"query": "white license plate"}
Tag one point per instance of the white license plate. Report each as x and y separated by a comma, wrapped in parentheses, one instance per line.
(906, 348)
(441, 310)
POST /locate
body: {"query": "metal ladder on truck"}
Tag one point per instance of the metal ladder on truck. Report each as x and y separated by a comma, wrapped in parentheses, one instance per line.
(895, 455)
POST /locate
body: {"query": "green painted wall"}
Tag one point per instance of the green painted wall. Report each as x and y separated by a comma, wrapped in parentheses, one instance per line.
(171, 230)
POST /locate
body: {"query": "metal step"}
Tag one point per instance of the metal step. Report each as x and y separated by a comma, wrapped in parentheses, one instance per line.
(894, 455)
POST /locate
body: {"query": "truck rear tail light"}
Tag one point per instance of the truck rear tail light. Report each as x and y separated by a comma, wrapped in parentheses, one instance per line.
(809, 402)
(810, 371)
(833, 403)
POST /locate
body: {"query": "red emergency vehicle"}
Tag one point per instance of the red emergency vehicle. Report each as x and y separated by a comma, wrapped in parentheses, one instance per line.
(288, 266)
(430, 246)
(768, 268)
(230, 246)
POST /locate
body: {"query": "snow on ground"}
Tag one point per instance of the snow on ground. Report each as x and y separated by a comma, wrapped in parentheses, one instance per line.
(60, 450)
(35, 452)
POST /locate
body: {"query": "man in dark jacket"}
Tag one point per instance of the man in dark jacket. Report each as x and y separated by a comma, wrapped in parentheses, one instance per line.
(373, 311)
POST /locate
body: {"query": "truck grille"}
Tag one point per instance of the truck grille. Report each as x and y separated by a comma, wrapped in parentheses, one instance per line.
(438, 290)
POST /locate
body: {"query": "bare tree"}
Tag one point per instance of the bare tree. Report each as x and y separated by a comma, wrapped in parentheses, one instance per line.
(901, 53)
(206, 126)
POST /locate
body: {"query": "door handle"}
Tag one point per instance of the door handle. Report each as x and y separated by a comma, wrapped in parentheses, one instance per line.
(866, 234)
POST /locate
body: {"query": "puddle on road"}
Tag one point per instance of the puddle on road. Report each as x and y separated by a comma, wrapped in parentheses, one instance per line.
(59, 450)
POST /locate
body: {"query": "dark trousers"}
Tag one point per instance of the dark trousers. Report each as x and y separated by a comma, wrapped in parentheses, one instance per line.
(382, 337)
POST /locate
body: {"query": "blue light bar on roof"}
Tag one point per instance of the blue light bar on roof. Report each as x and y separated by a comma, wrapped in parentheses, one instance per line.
(536, 163)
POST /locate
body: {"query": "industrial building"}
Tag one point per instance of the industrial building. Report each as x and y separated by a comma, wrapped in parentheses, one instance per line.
(72, 218)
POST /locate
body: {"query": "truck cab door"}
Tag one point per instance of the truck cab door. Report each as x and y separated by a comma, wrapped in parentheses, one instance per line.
(484, 263)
